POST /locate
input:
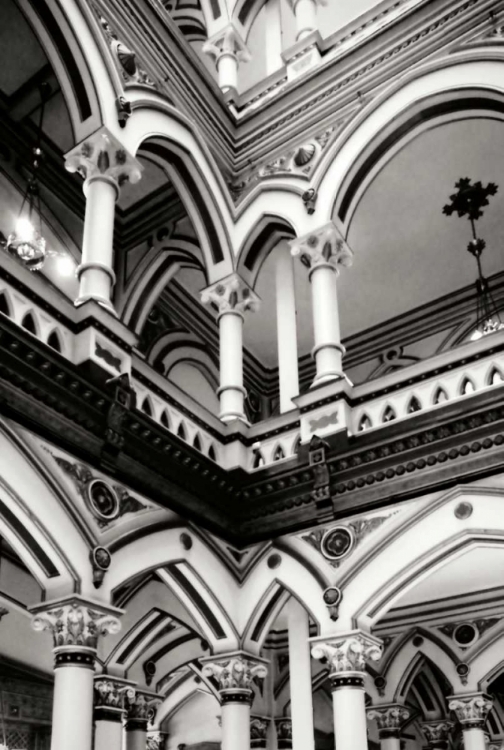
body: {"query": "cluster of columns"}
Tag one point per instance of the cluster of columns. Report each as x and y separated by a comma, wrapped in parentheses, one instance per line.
(323, 253)
(119, 711)
(105, 166)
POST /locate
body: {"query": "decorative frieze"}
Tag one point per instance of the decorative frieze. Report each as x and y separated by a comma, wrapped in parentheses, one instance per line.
(389, 719)
(75, 622)
(231, 294)
(102, 155)
(471, 709)
(324, 246)
(235, 674)
(346, 655)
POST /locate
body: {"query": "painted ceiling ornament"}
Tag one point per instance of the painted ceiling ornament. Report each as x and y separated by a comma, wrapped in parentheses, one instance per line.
(330, 545)
(304, 154)
(348, 652)
(236, 672)
(75, 622)
(471, 709)
(105, 501)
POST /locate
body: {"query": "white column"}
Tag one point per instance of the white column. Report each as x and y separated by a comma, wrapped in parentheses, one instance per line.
(109, 697)
(347, 654)
(471, 711)
(389, 718)
(228, 49)
(75, 625)
(324, 252)
(305, 12)
(273, 36)
(303, 737)
(231, 297)
(235, 673)
(105, 165)
(286, 328)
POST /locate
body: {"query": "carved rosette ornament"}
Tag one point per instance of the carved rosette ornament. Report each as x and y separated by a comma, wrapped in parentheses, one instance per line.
(323, 247)
(140, 708)
(346, 655)
(389, 719)
(230, 295)
(437, 734)
(109, 697)
(75, 625)
(234, 674)
(102, 156)
(471, 709)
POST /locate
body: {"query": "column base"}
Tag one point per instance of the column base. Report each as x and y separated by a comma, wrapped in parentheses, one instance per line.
(232, 417)
(325, 377)
(105, 303)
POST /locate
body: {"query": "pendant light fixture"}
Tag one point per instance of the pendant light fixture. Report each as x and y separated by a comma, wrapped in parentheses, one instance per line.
(469, 200)
(26, 241)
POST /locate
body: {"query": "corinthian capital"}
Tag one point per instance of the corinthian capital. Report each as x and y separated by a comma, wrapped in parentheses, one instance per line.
(101, 155)
(437, 733)
(75, 622)
(141, 707)
(156, 740)
(112, 693)
(227, 42)
(389, 718)
(471, 709)
(230, 295)
(347, 652)
(322, 247)
(235, 672)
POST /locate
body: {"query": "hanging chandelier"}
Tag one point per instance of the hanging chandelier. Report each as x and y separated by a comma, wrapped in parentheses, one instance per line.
(26, 242)
(469, 200)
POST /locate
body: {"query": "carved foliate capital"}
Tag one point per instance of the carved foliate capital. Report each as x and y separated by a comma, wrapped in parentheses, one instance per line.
(141, 706)
(347, 652)
(75, 622)
(156, 740)
(101, 155)
(284, 732)
(436, 732)
(322, 247)
(471, 709)
(389, 718)
(111, 693)
(235, 673)
(227, 42)
(258, 731)
(230, 295)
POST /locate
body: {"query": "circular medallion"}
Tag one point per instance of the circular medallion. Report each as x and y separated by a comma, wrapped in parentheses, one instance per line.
(337, 543)
(465, 634)
(102, 499)
(462, 669)
(463, 510)
(274, 561)
(101, 558)
(332, 596)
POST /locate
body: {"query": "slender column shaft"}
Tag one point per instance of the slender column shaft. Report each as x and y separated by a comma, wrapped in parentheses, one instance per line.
(286, 328)
(327, 350)
(390, 743)
(72, 716)
(474, 739)
(305, 12)
(236, 726)
(350, 729)
(108, 734)
(273, 31)
(231, 389)
(136, 737)
(303, 737)
(95, 273)
(227, 67)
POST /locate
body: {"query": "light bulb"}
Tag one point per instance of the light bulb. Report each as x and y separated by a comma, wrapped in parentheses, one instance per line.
(25, 231)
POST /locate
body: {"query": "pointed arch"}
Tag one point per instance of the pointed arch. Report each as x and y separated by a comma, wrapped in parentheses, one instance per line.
(197, 443)
(365, 423)
(467, 386)
(30, 323)
(211, 453)
(278, 453)
(414, 405)
(389, 414)
(54, 341)
(165, 420)
(258, 460)
(181, 431)
(495, 376)
(5, 305)
(440, 396)
(147, 406)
